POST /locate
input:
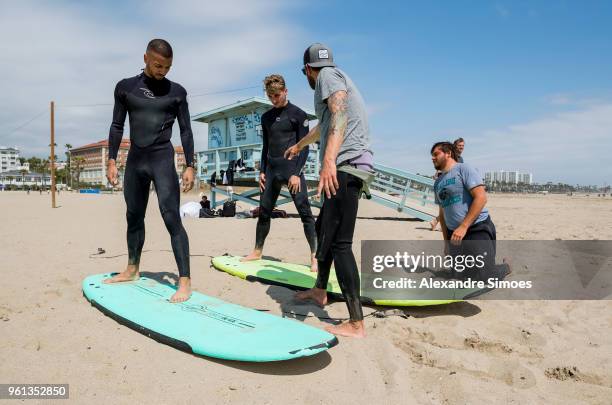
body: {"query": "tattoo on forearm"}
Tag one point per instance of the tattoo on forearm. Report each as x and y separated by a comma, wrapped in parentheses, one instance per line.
(339, 117)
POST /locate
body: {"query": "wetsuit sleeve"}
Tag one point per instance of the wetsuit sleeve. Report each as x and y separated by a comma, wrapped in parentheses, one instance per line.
(116, 130)
(300, 132)
(184, 120)
(264, 150)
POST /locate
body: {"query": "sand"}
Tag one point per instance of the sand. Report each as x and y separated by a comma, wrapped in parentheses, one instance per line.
(472, 352)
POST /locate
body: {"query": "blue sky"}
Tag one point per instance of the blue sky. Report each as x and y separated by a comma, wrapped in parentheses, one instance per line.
(527, 84)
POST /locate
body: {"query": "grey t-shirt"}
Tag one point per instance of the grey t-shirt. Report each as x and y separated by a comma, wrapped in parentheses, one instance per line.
(357, 137)
(452, 190)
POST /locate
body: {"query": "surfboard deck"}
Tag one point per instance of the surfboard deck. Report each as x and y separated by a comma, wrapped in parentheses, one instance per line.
(297, 276)
(204, 325)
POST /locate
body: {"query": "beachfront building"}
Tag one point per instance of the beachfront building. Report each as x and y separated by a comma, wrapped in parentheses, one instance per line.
(9, 159)
(526, 178)
(59, 165)
(88, 162)
(22, 178)
(508, 177)
(234, 132)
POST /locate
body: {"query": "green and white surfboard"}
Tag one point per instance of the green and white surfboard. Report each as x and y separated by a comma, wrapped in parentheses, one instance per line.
(300, 277)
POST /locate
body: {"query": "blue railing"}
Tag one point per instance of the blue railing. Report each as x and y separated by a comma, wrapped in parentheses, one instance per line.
(403, 191)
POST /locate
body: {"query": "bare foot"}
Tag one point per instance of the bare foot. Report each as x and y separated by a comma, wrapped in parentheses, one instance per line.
(183, 293)
(129, 274)
(314, 264)
(349, 329)
(318, 295)
(255, 255)
(433, 223)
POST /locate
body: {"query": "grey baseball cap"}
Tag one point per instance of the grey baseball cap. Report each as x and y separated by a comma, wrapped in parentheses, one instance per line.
(318, 55)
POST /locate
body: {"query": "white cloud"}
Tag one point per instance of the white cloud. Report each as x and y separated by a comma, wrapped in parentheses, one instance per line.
(377, 107)
(75, 54)
(227, 16)
(563, 147)
(502, 10)
(568, 147)
(559, 99)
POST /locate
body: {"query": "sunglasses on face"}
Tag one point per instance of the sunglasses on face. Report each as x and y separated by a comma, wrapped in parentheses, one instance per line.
(304, 70)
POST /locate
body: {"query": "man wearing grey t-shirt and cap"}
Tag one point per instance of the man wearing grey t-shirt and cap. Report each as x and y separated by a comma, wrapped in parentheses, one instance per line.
(347, 171)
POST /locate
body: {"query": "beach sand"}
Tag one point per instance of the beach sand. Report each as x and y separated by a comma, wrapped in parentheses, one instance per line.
(491, 352)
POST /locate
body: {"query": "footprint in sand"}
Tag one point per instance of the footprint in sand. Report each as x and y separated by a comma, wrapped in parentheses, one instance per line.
(55, 293)
(478, 343)
(387, 365)
(572, 373)
(66, 281)
(532, 338)
(4, 313)
(484, 362)
(512, 373)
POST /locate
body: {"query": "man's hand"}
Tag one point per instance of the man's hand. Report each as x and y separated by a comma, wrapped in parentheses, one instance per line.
(188, 178)
(328, 182)
(262, 181)
(458, 235)
(294, 184)
(112, 172)
(292, 152)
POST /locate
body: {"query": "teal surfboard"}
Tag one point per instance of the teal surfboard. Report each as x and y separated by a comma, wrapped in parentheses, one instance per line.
(204, 325)
(300, 277)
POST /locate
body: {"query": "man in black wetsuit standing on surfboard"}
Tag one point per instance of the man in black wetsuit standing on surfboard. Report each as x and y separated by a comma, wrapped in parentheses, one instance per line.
(153, 103)
(283, 126)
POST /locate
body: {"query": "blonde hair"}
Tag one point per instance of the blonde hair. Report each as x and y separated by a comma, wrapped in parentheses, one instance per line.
(274, 83)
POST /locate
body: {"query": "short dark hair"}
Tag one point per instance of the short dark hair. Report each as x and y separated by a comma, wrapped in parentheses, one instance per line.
(458, 140)
(445, 147)
(160, 46)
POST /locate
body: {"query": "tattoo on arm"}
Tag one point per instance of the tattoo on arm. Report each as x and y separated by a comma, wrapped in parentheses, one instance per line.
(338, 105)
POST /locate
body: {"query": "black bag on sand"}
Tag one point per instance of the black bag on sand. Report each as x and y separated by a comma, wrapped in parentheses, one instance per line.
(276, 213)
(207, 213)
(229, 209)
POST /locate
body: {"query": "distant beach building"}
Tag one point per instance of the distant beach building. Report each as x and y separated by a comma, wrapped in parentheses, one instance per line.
(91, 160)
(59, 165)
(508, 177)
(19, 178)
(9, 159)
(526, 178)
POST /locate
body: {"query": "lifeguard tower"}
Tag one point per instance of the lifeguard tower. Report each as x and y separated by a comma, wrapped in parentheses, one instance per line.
(234, 132)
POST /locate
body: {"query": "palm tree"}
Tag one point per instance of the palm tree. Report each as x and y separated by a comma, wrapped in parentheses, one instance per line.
(44, 165)
(35, 164)
(68, 147)
(79, 161)
(23, 173)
